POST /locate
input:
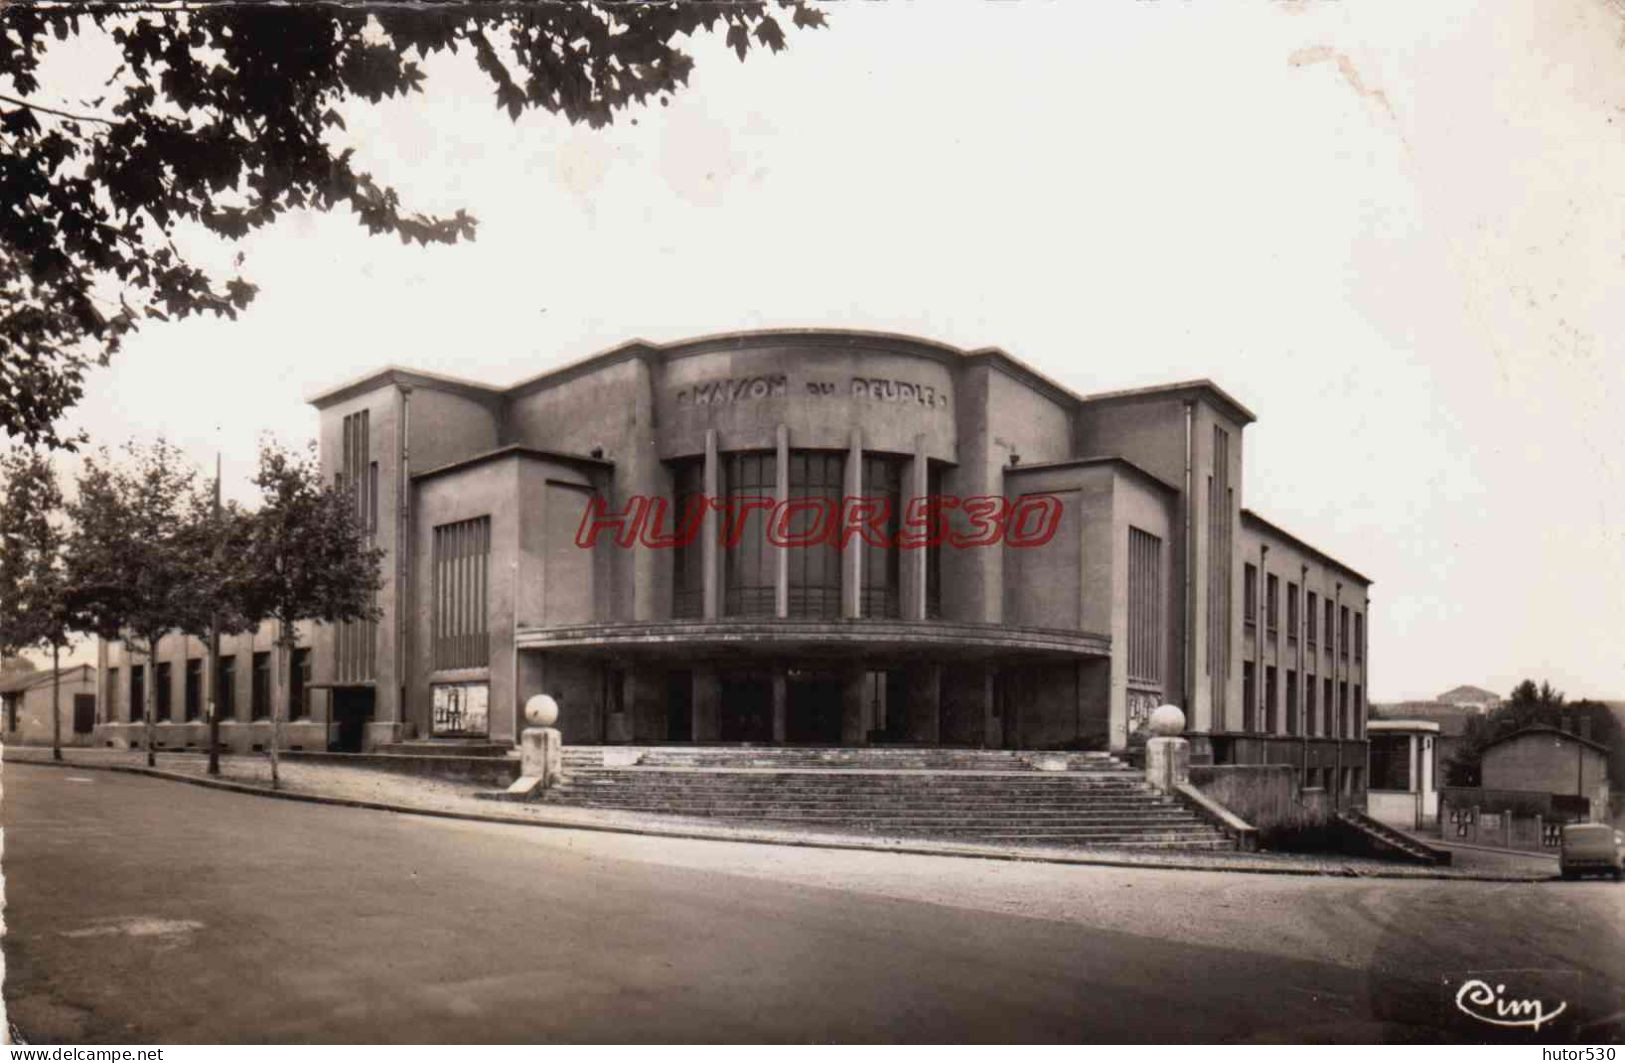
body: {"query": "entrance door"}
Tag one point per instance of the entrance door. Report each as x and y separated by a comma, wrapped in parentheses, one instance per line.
(352, 708)
(746, 709)
(679, 706)
(814, 710)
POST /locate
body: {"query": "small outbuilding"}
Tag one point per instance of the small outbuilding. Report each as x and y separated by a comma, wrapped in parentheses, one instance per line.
(1546, 760)
(1404, 769)
(26, 707)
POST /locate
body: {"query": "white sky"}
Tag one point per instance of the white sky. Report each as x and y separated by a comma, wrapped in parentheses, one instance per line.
(1395, 230)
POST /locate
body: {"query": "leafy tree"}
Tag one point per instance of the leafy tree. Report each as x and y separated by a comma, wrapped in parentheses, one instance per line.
(10, 666)
(226, 118)
(136, 556)
(1542, 705)
(33, 576)
(309, 560)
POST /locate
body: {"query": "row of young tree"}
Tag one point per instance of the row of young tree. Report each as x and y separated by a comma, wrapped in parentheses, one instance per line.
(1532, 705)
(146, 548)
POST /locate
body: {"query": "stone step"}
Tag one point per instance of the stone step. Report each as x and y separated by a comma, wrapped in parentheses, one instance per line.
(446, 747)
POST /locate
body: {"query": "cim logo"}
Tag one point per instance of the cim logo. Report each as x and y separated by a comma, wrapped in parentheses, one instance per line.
(989, 520)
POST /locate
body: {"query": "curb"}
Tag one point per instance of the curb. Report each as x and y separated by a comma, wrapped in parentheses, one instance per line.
(1006, 855)
(1495, 849)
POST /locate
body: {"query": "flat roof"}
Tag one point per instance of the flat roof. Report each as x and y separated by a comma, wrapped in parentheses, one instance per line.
(637, 347)
(1426, 726)
(1247, 514)
(1202, 386)
(1104, 459)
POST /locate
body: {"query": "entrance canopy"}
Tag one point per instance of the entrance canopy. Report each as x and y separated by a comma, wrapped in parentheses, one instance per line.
(769, 637)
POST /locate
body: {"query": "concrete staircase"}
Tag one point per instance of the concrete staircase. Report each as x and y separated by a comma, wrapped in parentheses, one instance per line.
(992, 796)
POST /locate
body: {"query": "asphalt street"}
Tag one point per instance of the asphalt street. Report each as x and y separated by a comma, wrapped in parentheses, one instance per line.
(140, 910)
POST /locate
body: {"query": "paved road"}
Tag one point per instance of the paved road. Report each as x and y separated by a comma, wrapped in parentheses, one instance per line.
(141, 910)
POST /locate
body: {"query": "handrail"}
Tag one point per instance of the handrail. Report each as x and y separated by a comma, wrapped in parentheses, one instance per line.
(1239, 830)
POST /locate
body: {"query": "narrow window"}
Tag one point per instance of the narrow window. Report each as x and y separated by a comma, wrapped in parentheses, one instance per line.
(815, 570)
(1292, 612)
(165, 692)
(1359, 637)
(138, 693)
(462, 574)
(259, 695)
(688, 559)
(1144, 607)
(193, 704)
(882, 482)
(1249, 594)
(1272, 603)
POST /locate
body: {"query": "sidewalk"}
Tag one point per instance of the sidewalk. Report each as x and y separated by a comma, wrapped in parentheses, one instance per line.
(370, 788)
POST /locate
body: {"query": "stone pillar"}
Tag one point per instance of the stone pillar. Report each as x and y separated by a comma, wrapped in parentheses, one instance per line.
(853, 731)
(707, 708)
(711, 557)
(914, 563)
(925, 704)
(781, 560)
(781, 705)
(992, 732)
(852, 556)
(645, 475)
(1167, 755)
(541, 755)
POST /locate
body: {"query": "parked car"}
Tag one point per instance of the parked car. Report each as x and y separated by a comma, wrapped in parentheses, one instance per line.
(1593, 847)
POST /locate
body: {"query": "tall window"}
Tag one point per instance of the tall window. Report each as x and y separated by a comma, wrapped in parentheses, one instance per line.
(1249, 594)
(225, 697)
(259, 691)
(1311, 724)
(1343, 632)
(1292, 612)
(1329, 709)
(461, 562)
(883, 479)
(1272, 603)
(1357, 716)
(1331, 625)
(1271, 699)
(194, 688)
(138, 692)
(815, 571)
(1291, 701)
(299, 685)
(1249, 697)
(1144, 606)
(750, 565)
(357, 644)
(162, 676)
(1359, 637)
(688, 560)
(1310, 619)
(1343, 709)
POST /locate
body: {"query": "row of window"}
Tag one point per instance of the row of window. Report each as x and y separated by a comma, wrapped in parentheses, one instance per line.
(1321, 717)
(1337, 618)
(750, 564)
(192, 694)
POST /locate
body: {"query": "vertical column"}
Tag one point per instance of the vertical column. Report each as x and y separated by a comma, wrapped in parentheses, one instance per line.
(781, 703)
(852, 556)
(853, 731)
(914, 564)
(781, 560)
(992, 736)
(710, 556)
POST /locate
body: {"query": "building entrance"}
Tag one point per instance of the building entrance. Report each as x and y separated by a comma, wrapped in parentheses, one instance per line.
(352, 709)
(746, 709)
(814, 707)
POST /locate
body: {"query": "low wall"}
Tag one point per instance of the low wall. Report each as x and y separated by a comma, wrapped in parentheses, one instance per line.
(1509, 828)
(1268, 797)
(236, 736)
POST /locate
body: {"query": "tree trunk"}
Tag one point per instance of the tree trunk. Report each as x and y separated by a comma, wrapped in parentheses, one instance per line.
(214, 697)
(150, 696)
(56, 703)
(279, 672)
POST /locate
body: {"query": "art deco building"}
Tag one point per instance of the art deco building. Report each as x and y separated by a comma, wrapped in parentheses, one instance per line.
(1154, 584)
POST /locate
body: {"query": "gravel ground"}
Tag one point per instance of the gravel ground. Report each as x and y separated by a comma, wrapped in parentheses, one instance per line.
(411, 793)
